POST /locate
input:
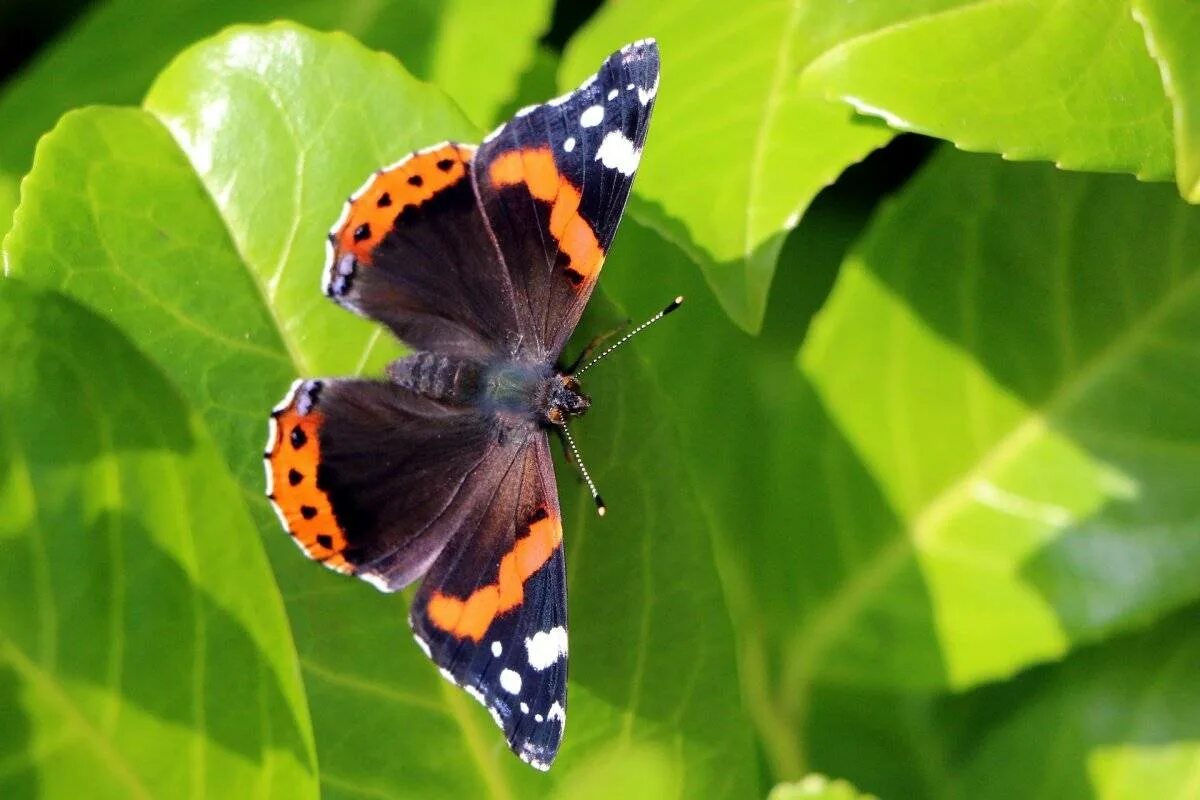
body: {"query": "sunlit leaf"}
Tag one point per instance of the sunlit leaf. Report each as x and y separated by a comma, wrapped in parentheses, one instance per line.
(1172, 28)
(1068, 82)
(744, 137)
(816, 787)
(738, 148)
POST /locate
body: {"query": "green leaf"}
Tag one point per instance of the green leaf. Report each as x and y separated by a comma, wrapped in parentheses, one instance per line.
(264, 118)
(738, 148)
(1068, 82)
(817, 787)
(1012, 354)
(436, 40)
(102, 218)
(204, 241)
(144, 649)
(744, 138)
(1111, 721)
(1172, 27)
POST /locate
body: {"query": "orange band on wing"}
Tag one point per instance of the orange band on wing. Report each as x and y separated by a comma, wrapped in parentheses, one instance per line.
(373, 211)
(293, 458)
(535, 169)
(470, 618)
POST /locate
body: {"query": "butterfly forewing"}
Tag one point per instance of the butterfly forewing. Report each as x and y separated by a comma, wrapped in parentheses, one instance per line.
(553, 182)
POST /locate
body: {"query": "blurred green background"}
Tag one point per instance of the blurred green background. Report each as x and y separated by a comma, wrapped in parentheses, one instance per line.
(902, 503)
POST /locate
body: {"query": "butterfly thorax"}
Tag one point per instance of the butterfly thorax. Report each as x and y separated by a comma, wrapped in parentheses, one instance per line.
(530, 390)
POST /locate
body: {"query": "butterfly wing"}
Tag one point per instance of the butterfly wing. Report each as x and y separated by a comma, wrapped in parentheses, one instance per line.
(492, 611)
(553, 181)
(411, 250)
(372, 480)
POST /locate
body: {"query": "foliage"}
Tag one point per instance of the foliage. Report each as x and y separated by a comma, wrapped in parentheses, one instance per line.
(902, 496)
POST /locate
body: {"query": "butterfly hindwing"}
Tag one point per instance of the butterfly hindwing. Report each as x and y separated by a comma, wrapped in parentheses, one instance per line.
(373, 480)
(553, 181)
(492, 612)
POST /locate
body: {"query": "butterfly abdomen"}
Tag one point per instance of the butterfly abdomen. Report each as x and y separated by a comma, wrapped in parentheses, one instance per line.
(438, 377)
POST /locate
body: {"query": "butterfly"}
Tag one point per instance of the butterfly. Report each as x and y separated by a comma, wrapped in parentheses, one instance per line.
(480, 259)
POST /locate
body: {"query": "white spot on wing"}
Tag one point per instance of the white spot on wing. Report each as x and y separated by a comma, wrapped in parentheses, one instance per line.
(510, 681)
(557, 712)
(497, 649)
(524, 707)
(526, 111)
(592, 116)
(546, 647)
(448, 675)
(612, 95)
(538, 718)
(569, 144)
(617, 152)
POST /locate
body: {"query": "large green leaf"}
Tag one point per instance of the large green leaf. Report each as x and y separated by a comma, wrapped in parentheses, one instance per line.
(1172, 28)
(204, 243)
(436, 40)
(1012, 354)
(1069, 82)
(744, 138)
(144, 649)
(738, 149)
(1112, 721)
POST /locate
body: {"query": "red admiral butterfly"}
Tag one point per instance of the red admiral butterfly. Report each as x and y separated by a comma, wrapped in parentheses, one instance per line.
(481, 260)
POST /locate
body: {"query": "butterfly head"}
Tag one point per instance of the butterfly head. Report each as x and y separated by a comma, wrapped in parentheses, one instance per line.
(566, 400)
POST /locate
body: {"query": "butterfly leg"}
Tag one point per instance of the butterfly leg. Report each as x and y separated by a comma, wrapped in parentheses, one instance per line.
(562, 439)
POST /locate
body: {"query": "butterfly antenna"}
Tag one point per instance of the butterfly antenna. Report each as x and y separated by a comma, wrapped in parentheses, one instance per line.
(674, 304)
(600, 507)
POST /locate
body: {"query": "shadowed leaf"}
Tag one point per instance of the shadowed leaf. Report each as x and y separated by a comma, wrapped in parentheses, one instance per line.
(138, 618)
